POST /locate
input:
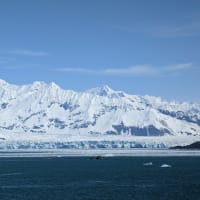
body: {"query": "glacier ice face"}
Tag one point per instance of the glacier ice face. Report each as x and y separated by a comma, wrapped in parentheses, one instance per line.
(41, 108)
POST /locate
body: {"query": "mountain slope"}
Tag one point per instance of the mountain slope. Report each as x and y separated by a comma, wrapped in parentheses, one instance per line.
(46, 109)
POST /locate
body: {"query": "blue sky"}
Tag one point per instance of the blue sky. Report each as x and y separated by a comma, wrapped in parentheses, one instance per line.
(138, 46)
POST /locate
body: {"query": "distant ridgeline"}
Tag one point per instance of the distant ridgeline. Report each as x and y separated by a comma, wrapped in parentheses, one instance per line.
(195, 145)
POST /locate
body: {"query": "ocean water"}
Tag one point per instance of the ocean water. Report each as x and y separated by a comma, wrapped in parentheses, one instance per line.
(117, 178)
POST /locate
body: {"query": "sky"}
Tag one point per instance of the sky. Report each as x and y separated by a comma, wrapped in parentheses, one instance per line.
(137, 46)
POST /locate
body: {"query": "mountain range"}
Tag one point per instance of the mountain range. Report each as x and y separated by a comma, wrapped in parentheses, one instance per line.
(41, 115)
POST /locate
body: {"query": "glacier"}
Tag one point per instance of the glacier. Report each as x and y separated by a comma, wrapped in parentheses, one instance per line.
(44, 116)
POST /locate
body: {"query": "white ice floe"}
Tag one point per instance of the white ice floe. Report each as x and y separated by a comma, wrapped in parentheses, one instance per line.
(165, 165)
(148, 164)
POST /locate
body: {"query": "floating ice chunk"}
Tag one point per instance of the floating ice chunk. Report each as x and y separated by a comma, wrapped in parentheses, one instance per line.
(148, 164)
(165, 165)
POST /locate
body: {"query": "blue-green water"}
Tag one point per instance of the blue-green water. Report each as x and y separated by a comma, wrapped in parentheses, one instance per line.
(115, 178)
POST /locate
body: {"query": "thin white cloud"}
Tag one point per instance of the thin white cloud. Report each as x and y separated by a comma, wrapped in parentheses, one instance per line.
(20, 66)
(179, 67)
(138, 70)
(11, 68)
(22, 52)
(186, 30)
(78, 70)
(135, 70)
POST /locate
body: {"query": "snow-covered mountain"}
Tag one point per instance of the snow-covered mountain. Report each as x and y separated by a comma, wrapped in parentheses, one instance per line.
(45, 112)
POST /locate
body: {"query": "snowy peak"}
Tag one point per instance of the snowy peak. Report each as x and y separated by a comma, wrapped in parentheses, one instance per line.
(101, 91)
(46, 108)
(37, 85)
(106, 91)
(54, 86)
(41, 84)
(2, 82)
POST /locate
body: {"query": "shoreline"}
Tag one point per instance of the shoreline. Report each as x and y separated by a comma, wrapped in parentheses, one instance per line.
(99, 152)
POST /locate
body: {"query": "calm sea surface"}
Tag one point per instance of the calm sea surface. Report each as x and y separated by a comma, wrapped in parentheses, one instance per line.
(114, 178)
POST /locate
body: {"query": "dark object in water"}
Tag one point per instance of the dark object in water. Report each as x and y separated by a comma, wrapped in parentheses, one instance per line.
(97, 158)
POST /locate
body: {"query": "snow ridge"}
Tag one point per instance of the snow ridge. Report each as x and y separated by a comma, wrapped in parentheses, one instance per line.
(46, 109)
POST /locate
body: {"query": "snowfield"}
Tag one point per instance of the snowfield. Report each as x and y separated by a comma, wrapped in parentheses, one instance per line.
(44, 116)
